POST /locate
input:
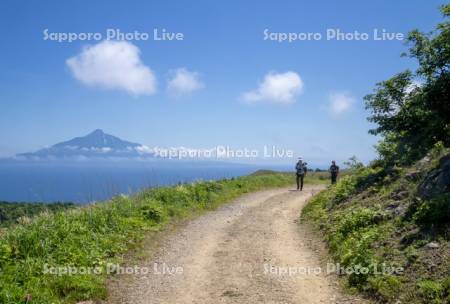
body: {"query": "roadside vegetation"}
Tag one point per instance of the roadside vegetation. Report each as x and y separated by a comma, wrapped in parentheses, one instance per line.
(395, 213)
(14, 212)
(92, 236)
(377, 219)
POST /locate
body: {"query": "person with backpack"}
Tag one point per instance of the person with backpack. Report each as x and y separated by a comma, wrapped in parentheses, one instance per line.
(301, 170)
(334, 171)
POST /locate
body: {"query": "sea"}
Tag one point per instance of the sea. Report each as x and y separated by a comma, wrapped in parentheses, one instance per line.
(86, 182)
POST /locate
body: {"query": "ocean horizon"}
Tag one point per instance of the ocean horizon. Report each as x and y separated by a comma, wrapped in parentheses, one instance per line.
(86, 182)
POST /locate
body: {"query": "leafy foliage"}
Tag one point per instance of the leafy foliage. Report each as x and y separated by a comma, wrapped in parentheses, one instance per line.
(431, 291)
(435, 211)
(411, 110)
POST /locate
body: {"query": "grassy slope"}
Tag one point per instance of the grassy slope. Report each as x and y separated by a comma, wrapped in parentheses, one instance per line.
(95, 235)
(374, 216)
(14, 212)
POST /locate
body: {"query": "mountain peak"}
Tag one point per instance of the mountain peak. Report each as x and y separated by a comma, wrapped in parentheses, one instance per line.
(96, 131)
(97, 139)
(96, 143)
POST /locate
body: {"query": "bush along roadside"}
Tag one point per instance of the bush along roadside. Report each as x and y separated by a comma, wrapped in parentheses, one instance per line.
(33, 253)
(392, 240)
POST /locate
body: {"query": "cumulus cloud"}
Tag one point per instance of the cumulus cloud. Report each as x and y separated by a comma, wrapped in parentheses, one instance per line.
(340, 103)
(182, 82)
(113, 65)
(277, 88)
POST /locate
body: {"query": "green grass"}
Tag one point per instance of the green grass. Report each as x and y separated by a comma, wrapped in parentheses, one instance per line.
(317, 178)
(102, 233)
(14, 212)
(366, 222)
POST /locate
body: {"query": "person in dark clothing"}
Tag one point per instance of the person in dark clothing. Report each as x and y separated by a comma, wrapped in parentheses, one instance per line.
(334, 171)
(301, 170)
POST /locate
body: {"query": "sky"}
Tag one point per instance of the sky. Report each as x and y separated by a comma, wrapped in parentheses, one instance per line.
(222, 84)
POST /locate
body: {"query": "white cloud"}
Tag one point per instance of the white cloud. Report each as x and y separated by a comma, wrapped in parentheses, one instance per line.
(340, 103)
(143, 149)
(277, 88)
(182, 82)
(113, 65)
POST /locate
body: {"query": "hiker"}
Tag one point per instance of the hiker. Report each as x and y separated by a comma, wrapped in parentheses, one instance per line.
(334, 171)
(301, 170)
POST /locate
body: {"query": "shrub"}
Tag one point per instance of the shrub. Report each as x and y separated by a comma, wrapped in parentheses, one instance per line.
(431, 291)
(352, 184)
(151, 210)
(434, 212)
(357, 219)
(386, 286)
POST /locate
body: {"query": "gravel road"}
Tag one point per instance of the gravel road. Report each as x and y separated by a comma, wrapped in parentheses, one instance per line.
(239, 253)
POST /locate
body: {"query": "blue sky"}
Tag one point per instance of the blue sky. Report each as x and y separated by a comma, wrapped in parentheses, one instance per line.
(223, 55)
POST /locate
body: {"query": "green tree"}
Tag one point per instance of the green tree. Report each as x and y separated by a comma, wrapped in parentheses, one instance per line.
(353, 163)
(412, 109)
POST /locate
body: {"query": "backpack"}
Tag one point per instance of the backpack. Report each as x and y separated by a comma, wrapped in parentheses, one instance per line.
(334, 169)
(300, 167)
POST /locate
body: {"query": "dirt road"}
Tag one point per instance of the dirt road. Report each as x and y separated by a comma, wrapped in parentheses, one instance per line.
(239, 253)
